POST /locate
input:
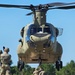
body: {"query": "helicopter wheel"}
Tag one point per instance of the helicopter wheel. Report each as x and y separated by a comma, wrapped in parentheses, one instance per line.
(58, 65)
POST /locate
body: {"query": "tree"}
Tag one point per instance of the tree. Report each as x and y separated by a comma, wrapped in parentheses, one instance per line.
(26, 71)
(69, 69)
(49, 68)
(14, 70)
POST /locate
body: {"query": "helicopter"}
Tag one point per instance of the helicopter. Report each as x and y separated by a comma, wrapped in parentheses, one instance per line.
(39, 39)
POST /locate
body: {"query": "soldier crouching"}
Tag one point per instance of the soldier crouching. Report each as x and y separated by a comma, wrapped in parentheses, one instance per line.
(6, 62)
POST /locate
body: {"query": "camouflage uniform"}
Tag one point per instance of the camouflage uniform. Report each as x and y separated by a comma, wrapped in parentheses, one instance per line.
(6, 61)
(41, 71)
(36, 72)
(0, 59)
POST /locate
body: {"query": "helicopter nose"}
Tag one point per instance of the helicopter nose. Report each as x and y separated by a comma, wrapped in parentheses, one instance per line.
(39, 37)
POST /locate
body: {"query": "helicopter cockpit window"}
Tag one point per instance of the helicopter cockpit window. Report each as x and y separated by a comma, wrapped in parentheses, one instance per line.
(59, 31)
(22, 31)
(39, 29)
(33, 31)
(47, 30)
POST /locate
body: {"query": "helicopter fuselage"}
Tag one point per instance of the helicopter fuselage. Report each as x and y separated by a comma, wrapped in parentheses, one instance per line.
(39, 42)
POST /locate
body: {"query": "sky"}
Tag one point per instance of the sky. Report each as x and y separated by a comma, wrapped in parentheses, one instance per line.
(13, 19)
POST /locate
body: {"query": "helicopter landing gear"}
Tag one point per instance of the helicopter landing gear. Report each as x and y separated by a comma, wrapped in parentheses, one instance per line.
(59, 65)
(40, 61)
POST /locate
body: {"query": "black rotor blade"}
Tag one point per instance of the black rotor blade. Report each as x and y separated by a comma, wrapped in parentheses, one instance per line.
(67, 7)
(15, 6)
(58, 4)
(64, 7)
(55, 4)
(29, 13)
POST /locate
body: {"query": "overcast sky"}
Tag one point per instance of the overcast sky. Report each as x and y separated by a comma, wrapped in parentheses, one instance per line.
(13, 19)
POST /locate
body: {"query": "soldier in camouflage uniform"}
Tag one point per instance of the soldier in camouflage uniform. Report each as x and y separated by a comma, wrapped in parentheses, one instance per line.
(0, 59)
(41, 71)
(6, 62)
(36, 72)
(0, 56)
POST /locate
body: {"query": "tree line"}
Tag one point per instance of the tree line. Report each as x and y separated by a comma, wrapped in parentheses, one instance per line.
(69, 69)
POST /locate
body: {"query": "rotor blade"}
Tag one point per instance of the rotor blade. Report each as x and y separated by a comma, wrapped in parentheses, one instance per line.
(55, 4)
(58, 4)
(15, 6)
(29, 13)
(64, 7)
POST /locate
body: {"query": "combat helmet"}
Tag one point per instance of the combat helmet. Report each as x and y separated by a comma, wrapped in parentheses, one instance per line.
(6, 49)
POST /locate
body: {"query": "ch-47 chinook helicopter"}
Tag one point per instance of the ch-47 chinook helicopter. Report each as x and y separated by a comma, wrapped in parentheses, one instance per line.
(39, 39)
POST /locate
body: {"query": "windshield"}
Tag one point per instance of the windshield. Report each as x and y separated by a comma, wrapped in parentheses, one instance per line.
(32, 31)
(47, 30)
(35, 30)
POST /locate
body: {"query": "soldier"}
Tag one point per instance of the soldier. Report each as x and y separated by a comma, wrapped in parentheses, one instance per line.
(0, 56)
(0, 59)
(36, 72)
(6, 62)
(41, 71)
